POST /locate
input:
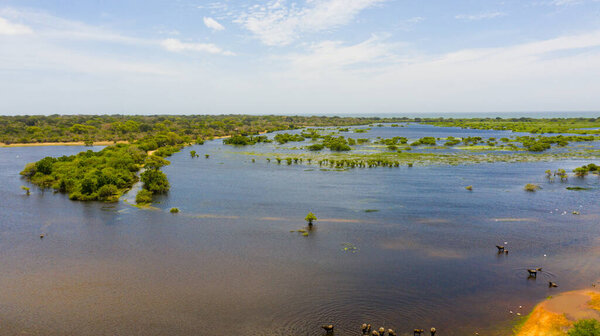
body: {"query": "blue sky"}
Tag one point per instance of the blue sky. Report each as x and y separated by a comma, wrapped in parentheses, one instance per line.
(298, 57)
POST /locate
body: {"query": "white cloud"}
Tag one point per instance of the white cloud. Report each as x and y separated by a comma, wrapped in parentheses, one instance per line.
(409, 24)
(8, 28)
(213, 24)
(176, 45)
(480, 16)
(278, 23)
(565, 2)
(379, 77)
(328, 56)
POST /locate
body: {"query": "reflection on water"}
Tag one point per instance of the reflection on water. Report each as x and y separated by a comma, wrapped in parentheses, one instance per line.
(228, 262)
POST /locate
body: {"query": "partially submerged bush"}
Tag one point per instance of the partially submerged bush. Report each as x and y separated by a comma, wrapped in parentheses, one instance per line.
(532, 187)
(174, 210)
(143, 197)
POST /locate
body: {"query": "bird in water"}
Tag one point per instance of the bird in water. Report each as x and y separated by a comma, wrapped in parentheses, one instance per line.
(42, 235)
(328, 328)
(382, 331)
(552, 284)
(391, 332)
(433, 331)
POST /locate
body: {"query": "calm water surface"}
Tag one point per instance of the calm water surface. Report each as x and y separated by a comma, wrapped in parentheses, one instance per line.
(228, 263)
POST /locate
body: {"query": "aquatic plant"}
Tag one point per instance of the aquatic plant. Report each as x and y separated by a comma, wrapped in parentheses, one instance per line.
(174, 210)
(469, 188)
(532, 187)
(193, 154)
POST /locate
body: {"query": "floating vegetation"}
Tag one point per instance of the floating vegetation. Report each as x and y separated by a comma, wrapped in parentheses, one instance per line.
(388, 159)
(371, 210)
(469, 188)
(174, 210)
(349, 247)
(578, 188)
(532, 187)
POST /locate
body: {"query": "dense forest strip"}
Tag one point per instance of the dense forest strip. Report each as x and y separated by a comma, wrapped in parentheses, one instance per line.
(529, 125)
(90, 129)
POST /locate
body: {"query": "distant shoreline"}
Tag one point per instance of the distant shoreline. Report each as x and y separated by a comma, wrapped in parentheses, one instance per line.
(81, 143)
(71, 143)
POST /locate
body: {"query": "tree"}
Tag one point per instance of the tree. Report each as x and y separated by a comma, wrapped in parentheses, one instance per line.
(143, 197)
(155, 181)
(27, 192)
(88, 185)
(155, 162)
(310, 218)
(107, 191)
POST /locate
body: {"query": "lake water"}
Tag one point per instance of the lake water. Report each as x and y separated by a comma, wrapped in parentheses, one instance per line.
(228, 263)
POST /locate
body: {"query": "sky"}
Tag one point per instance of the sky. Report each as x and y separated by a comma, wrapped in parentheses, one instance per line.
(312, 57)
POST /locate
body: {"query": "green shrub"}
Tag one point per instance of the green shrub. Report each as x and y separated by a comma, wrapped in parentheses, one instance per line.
(532, 187)
(174, 210)
(588, 327)
(143, 197)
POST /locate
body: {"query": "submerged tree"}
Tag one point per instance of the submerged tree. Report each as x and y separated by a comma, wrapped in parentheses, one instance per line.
(310, 218)
(155, 181)
(27, 191)
(143, 197)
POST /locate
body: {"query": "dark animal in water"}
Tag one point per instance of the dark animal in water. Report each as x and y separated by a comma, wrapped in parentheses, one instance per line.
(433, 331)
(42, 236)
(363, 327)
(552, 284)
(366, 328)
(533, 272)
(500, 248)
(418, 332)
(328, 328)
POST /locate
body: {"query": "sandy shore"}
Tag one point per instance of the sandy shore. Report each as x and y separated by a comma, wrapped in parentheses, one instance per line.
(556, 315)
(73, 143)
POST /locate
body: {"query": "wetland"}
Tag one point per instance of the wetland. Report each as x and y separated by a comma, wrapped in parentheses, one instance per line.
(398, 239)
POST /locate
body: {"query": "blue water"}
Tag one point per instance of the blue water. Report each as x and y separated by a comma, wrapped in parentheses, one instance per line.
(228, 263)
